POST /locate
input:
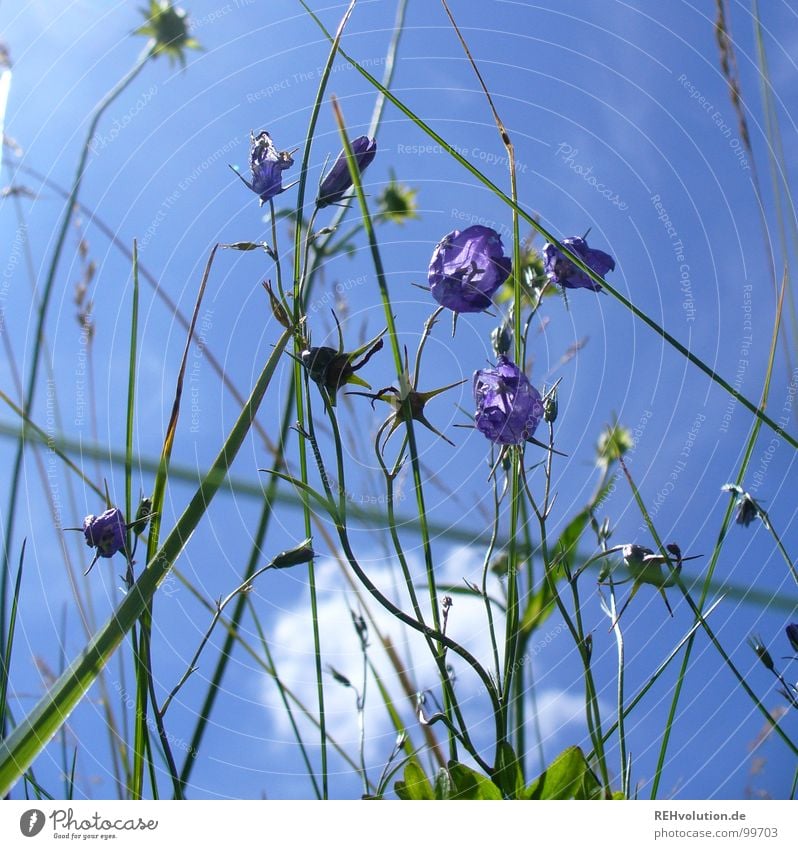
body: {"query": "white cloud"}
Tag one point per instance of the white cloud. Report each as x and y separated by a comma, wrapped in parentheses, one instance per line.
(560, 713)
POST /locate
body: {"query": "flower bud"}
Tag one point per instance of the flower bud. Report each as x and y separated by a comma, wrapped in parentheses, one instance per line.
(142, 516)
(303, 553)
(762, 653)
(792, 635)
(338, 180)
(502, 340)
(550, 406)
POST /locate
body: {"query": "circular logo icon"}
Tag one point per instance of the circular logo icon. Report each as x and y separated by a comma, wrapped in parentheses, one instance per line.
(31, 822)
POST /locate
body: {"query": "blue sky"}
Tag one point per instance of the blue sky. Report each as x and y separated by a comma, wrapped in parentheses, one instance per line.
(622, 124)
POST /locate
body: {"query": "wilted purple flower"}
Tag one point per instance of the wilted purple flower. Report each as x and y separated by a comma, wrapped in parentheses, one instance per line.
(509, 408)
(338, 180)
(267, 165)
(792, 635)
(105, 532)
(561, 270)
(467, 267)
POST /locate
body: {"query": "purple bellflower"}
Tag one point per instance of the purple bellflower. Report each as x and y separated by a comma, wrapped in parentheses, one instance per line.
(266, 164)
(338, 180)
(467, 267)
(509, 408)
(105, 533)
(562, 271)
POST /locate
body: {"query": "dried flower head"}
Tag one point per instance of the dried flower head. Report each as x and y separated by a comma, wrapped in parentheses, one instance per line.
(168, 28)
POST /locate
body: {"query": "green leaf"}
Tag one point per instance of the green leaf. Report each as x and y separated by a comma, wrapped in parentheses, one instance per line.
(469, 784)
(415, 786)
(568, 776)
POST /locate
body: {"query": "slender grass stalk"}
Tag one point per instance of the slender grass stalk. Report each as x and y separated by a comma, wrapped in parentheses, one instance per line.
(131, 395)
(18, 751)
(612, 612)
(5, 659)
(512, 635)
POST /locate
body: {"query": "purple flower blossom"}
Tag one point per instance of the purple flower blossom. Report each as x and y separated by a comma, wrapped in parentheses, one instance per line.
(105, 532)
(562, 271)
(467, 267)
(267, 166)
(509, 408)
(338, 180)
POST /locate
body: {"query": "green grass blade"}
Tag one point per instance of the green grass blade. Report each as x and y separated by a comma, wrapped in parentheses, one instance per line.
(5, 669)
